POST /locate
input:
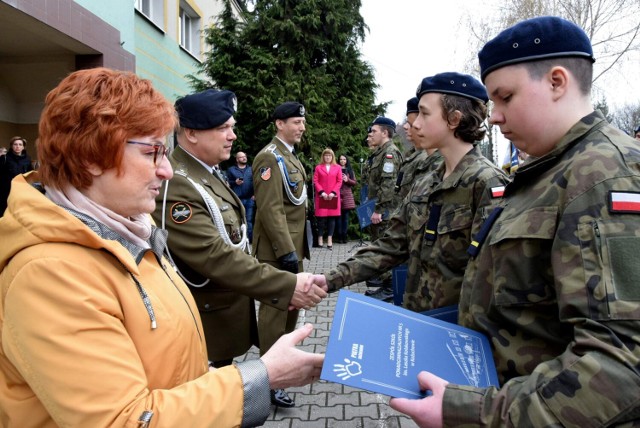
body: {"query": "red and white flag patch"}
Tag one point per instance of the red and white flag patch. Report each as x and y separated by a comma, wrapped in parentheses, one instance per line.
(265, 173)
(389, 156)
(497, 192)
(624, 202)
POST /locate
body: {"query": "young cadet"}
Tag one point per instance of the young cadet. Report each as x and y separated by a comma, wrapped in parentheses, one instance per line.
(554, 285)
(432, 228)
(412, 158)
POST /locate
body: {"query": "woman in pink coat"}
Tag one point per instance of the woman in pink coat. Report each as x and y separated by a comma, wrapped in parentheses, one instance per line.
(327, 179)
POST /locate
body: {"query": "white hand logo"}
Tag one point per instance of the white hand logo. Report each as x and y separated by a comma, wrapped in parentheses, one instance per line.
(345, 371)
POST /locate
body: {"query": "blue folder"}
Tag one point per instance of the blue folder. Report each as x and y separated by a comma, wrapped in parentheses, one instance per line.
(364, 211)
(381, 348)
(399, 280)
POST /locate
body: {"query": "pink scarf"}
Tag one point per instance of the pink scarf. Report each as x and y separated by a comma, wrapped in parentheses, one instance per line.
(136, 229)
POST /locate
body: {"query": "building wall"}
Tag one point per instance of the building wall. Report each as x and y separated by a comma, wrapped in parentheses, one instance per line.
(43, 41)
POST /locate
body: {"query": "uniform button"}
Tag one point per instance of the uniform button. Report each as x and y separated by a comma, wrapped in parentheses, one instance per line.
(207, 306)
(275, 300)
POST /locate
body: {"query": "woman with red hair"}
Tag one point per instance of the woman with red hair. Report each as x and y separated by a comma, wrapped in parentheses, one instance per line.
(97, 328)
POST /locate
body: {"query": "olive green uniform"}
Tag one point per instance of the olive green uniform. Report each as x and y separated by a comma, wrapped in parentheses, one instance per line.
(279, 228)
(436, 261)
(198, 249)
(555, 287)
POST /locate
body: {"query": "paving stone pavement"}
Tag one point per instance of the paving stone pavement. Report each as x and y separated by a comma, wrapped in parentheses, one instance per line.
(326, 404)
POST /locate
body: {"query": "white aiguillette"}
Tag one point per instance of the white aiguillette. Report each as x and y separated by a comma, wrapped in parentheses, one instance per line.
(381, 348)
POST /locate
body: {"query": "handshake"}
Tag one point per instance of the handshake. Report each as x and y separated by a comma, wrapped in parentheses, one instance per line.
(310, 290)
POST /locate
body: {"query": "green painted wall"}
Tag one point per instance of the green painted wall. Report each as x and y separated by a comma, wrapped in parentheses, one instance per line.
(160, 59)
(117, 13)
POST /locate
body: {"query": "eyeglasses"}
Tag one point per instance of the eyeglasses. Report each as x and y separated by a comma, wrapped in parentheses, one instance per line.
(159, 151)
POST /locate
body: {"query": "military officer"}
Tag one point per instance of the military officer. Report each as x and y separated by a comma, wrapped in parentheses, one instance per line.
(279, 237)
(446, 205)
(555, 282)
(207, 232)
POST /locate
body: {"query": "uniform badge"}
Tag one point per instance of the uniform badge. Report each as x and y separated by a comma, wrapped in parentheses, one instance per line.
(388, 167)
(497, 192)
(181, 212)
(389, 156)
(624, 202)
(265, 173)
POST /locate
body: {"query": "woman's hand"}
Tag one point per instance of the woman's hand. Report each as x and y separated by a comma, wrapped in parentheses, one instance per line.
(289, 366)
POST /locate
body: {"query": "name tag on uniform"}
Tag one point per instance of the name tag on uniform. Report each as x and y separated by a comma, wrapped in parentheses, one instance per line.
(294, 171)
(224, 208)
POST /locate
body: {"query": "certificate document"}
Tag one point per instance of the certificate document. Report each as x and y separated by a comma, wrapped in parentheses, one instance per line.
(381, 348)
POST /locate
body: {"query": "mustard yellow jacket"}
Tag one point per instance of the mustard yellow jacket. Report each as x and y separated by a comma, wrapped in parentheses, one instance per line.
(78, 348)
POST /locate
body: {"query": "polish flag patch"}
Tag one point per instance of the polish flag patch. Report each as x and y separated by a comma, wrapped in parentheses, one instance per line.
(389, 156)
(497, 192)
(624, 202)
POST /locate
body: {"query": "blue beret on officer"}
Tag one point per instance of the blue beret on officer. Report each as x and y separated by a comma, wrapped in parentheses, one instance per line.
(207, 109)
(533, 40)
(288, 109)
(412, 105)
(383, 121)
(455, 84)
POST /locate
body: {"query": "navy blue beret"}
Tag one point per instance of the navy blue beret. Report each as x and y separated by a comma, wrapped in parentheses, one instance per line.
(288, 109)
(384, 121)
(207, 109)
(455, 84)
(535, 39)
(412, 105)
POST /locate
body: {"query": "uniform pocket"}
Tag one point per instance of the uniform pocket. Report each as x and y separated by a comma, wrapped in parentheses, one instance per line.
(609, 249)
(454, 218)
(521, 248)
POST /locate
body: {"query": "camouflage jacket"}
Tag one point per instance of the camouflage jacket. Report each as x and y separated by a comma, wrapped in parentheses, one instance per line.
(555, 288)
(435, 266)
(381, 172)
(412, 160)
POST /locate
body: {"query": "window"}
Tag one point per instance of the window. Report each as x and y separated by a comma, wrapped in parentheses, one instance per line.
(189, 29)
(152, 9)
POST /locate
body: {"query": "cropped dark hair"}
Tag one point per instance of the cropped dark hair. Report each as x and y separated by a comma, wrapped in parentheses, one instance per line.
(580, 68)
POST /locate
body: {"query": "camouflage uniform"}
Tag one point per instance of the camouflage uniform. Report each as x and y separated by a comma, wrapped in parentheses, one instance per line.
(382, 171)
(412, 160)
(555, 288)
(435, 267)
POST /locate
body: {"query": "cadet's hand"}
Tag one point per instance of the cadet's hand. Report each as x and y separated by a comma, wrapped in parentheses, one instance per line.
(306, 295)
(288, 366)
(426, 412)
(376, 218)
(289, 262)
(319, 280)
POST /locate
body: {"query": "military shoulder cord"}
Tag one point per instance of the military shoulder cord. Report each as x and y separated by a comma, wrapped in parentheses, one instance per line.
(218, 221)
(288, 184)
